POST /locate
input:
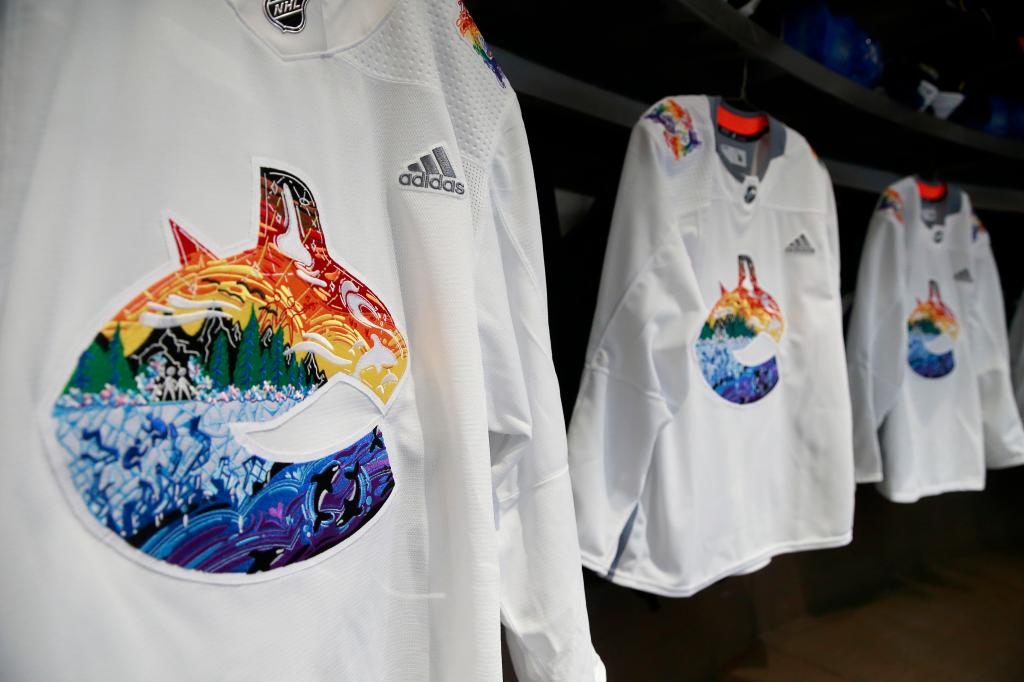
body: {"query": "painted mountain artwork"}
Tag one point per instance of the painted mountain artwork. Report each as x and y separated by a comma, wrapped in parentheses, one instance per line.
(737, 346)
(145, 419)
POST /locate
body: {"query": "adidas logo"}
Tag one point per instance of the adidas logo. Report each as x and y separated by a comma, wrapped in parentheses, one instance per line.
(800, 245)
(432, 172)
(963, 276)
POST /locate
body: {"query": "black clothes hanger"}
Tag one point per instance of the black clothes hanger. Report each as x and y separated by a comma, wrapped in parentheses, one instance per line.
(741, 102)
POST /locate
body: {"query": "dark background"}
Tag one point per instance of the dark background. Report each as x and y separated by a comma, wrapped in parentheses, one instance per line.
(648, 49)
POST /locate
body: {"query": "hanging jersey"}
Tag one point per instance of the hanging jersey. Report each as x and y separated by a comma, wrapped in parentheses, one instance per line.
(927, 350)
(712, 427)
(1001, 421)
(279, 401)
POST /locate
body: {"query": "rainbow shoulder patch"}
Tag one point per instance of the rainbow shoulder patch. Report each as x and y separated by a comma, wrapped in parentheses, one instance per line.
(677, 127)
(471, 34)
(891, 201)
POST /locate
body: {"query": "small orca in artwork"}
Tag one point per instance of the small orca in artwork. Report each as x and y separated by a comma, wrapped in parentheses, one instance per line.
(263, 559)
(377, 443)
(353, 506)
(324, 484)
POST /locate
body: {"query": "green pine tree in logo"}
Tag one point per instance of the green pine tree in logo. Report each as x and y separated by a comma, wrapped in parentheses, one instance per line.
(120, 373)
(92, 371)
(220, 371)
(276, 372)
(249, 363)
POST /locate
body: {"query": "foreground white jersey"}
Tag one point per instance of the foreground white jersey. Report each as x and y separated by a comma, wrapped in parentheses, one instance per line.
(712, 428)
(928, 352)
(278, 396)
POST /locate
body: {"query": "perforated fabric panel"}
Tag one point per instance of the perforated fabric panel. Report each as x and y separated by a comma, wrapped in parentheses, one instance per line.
(419, 42)
(477, 188)
(398, 50)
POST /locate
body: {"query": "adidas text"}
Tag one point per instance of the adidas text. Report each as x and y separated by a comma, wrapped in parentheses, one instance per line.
(437, 182)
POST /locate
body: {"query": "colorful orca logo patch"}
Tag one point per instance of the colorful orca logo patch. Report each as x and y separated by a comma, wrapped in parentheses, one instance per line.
(738, 343)
(677, 124)
(148, 422)
(468, 28)
(891, 201)
(931, 332)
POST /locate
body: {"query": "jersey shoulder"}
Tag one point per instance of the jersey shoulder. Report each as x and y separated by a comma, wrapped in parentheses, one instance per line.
(979, 235)
(800, 182)
(682, 124)
(438, 44)
(892, 202)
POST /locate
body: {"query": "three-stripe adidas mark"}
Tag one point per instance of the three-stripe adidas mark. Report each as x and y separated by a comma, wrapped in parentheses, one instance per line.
(800, 245)
(433, 171)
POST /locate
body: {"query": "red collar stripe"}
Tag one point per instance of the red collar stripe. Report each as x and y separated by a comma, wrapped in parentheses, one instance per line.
(740, 124)
(931, 192)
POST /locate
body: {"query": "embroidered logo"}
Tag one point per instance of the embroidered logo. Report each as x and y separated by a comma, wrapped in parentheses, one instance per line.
(152, 424)
(932, 329)
(963, 275)
(471, 34)
(737, 346)
(800, 245)
(678, 129)
(287, 15)
(433, 172)
(891, 201)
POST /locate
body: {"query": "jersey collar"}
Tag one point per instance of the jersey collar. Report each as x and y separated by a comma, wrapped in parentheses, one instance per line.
(328, 26)
(748, 128)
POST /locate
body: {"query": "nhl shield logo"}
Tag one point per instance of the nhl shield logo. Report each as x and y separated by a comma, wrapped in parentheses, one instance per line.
(287, 15)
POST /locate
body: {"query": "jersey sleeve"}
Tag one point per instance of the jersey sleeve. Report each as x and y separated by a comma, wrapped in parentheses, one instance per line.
(543, 606)
(636, 359)
(1004, 435)
(1017, 353)
(877, 339)
(832, 228)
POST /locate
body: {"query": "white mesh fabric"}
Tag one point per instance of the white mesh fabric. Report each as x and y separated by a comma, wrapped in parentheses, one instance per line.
(401, 50)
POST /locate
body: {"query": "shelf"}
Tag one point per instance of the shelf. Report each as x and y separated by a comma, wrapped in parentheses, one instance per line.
(677, 47)
(761, 44)
(566, 92)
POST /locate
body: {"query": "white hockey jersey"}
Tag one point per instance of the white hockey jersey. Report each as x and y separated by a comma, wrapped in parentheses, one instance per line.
(712, 427)
(278, 400)
(927, 350)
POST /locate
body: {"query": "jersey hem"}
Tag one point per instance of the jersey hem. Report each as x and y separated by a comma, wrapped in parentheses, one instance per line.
(744, 567)
(908, 497)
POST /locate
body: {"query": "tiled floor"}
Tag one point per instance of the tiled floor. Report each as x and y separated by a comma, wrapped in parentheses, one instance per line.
(965, 623)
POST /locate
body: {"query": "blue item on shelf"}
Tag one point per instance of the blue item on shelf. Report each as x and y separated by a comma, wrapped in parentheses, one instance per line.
(836, 42)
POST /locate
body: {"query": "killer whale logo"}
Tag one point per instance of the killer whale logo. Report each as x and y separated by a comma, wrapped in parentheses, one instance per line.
(737, 346)
(932, 329)
(151, 426)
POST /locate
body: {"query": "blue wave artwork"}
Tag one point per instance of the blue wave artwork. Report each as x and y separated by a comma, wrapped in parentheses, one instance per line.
(191, 495)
